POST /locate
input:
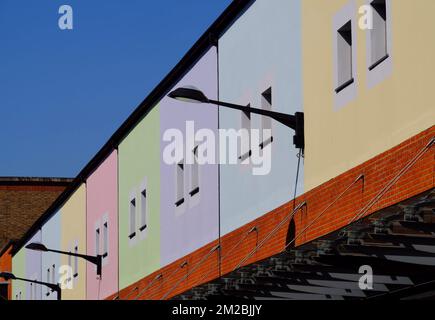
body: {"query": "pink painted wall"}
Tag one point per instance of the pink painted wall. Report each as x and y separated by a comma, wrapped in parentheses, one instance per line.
(102, 207)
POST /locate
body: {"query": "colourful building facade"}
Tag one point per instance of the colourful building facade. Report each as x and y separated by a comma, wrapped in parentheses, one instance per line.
(362, 95)
(139, 192)
(73, 239)
(102, 228)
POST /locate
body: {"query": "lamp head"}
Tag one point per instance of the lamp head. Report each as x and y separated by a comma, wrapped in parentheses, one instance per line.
(37, 247)
(189, 94)
(7, 276)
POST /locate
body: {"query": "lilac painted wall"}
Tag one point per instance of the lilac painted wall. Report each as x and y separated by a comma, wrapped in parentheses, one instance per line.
(194, 223)
(33, 270)
(102, 207)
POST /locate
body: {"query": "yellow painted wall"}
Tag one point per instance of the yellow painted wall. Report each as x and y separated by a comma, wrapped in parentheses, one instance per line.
(74, 229)
(379, 118)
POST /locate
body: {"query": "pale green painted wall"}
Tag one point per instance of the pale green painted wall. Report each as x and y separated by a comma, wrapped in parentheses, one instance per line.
(19, 270)
(139, 161)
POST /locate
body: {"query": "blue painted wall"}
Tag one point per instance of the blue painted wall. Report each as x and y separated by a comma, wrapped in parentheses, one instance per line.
(51, 238)
(262, 49)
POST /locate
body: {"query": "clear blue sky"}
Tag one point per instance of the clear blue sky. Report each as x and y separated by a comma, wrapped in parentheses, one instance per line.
(64, 93)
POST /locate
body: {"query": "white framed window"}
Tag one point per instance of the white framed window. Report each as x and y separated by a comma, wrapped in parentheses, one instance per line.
(379, 42)
(194, 174)
(105, 239)
(378, 34)
(70, 259)
(179, 193)
(53, 274)
(48, 281)
(344, 28)
(97, 241)
(76, 262)
(245, 145)
(132, 218)
(266, 122)
(344, 57)
(143, 210)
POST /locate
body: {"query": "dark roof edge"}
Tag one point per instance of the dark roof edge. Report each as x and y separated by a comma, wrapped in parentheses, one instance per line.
(34, 181)
(6, 247)
(207, 40)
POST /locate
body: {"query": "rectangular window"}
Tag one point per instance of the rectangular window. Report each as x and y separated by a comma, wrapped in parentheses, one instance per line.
(48, 281)
(31, 291)
(266, 122)
(97, 241)
(69, 260)
(76, 262)
(105, 239)
(132, 219)
(245, 147)
(143, 210)
(194, 178)
(180, 184)
(344, 57)
(53, 274)
(378, 35)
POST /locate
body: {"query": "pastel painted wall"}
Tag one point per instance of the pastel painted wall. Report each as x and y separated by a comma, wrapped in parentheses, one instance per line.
(73, 234)
(19, 270)
(102, 210)
(51, 238)
(139, 169)
(391, 103)
(195, 222)
(262, 49)
(33, 269)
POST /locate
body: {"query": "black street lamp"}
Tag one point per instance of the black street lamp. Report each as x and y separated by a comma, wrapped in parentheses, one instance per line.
(97, 260)
(55, 287)
(295, 122)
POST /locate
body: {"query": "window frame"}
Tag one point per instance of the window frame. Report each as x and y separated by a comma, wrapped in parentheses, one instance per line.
(378, 71)
(143, 209)
(180, 178)
(266, 122)
(195, 174)
(344, 93)
(132, 212)
(245, 139)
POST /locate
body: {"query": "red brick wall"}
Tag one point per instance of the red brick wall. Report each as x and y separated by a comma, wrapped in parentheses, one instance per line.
(378, 172)
(21, 206)
(6, 265)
